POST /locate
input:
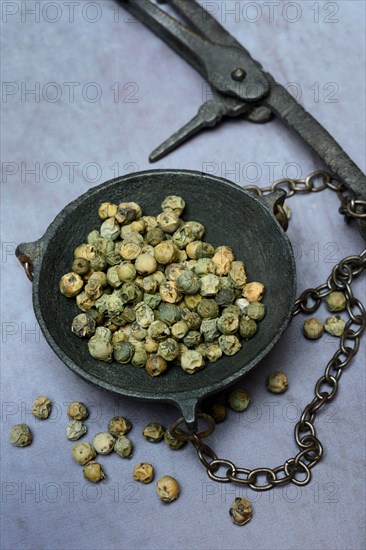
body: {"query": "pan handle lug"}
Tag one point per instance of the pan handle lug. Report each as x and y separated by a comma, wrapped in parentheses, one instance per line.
(29, 254)
(188, 408)
(274, 201)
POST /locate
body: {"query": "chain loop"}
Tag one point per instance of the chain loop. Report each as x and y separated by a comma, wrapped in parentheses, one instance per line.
(341, 278)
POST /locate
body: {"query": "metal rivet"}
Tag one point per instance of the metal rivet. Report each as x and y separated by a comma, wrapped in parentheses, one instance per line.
(238, 74)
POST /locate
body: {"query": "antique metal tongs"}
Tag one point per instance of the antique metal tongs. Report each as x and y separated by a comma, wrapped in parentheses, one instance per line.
(241, 87)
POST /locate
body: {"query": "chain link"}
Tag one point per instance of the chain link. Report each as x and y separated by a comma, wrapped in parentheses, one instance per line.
(297, 470)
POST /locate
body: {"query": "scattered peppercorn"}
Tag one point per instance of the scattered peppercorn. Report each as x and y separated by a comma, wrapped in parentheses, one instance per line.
(277, 382)
(336, 301)
(241, 511)
(218, 412)
(168, 489)
(83, 453)
(313, 328)
(238, 400)
(172, 442)
(20, 435)
(75, 430)
(41, 407)
(334, 325)
(94, 472)
(77, 411)
(153, 432)
(103, 443)
(123, 446)
(143, 472)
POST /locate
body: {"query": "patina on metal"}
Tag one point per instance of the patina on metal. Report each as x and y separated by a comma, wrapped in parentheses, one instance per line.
(231, 215)
(240, 87)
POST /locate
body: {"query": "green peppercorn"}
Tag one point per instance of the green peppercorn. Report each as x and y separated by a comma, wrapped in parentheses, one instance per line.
(313, 328)
(188, 282)
(143, 472)
(100, 346)
(172, 442)
(168, 221)
(208, 309)
(153, 432)
(169, 313)
(218, 412)
(241, 512)
(228, 323)
(191, 318)
(334, 325)
(192, 361)
(277, 382)
(179, 330)
(94, 472)
(229, 344)
(183, 236)
(103, 443)
(77, 411)
(83, 453)
(213, 352)
(126, 272)
(123, 352)
(123, 446)
(247, 328)
(168, 489)
(110, 229)
(21, 435)
(204, 250)
(237, 274)
(93, 236)
(225, 297)
(168, 349)
(192, 338)
(158, 331)
(119, 425)
(256, 311)
(75, 429)
(156, 365)
(155, 236)
(239, 400)
(210, 285)
(173, 203)
(41, 407)
(71, 284)
(209, 330)
(81, 266)
(204, 266)
(336, 301)
(152, 300)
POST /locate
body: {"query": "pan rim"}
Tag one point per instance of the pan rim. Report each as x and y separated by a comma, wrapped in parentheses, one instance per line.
(178, 396)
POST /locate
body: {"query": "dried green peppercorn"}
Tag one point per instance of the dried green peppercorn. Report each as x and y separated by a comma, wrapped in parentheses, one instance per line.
(168, 221)
(123, 446)
(119, 425)
(209, 330)
(210, 285)
(77, 411)
(213, 352)
(168, 489)
(225, 296)
(173, 203)
(169, 313)
(100, 346)
(110, 229)
(83, 453)
(192, 338)
(237, 274)
(71, 284)
(172, 442)
(75, 430)
(192, 361)
(241, 512)
(123, 352)
(20, 435)
(228, 323)
(152, 300)
(208, 309)
(336, 301)
(83, 325)
(313, 328)
(204, 250)
(165, 252)
(191, 318)
(247, 328)
(144, 315)
(229, 344)
(99, 262)
(140, 356)
(146, 264)
(126, 272)
(41, 407)
(169, 292)
(204, 266)
(156, 365)
(179, 330)
(168, 349)
(334, 325)
(153, 432)
(242, 304)
(218, 412)
(81, 266)
(277, 382)
(238, 400)
(191, 301)
(183, 236)
(253, 292)
(93, 236)
(107, 210)
(188, 282)
(103, 443)
(94, 472)
(256, 311)
(158, 331)
(143, 472)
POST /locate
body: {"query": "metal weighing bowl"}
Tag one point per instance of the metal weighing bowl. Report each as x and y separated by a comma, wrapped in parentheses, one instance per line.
(230, 215)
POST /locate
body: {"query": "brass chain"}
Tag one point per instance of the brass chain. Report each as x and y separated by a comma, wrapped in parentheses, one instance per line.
(297, 470)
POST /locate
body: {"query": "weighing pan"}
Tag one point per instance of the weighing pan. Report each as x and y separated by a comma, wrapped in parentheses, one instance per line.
(231, 216)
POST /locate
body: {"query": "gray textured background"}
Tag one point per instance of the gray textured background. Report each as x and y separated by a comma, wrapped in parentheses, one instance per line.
(45, 502)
